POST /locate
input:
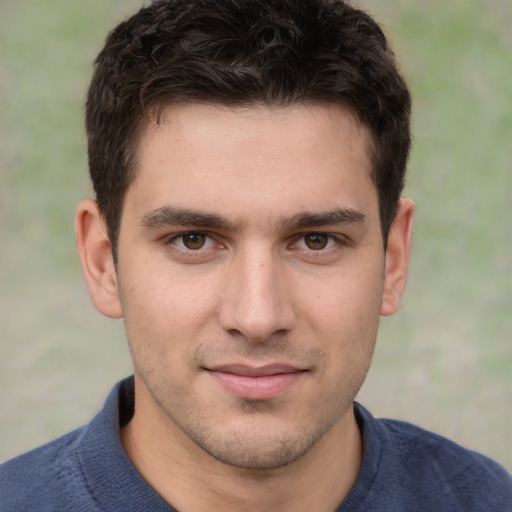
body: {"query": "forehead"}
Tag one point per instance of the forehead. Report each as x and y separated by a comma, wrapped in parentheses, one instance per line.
(235, 158)
(306, 120)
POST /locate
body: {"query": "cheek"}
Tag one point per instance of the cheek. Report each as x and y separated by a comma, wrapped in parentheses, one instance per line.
(165, 294)
(166, 313)
(345, 302)
(343, 316)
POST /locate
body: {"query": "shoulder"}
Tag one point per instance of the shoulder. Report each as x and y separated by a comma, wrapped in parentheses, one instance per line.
(450, 458)
(432, 471)
(77, 470)
(34, 477)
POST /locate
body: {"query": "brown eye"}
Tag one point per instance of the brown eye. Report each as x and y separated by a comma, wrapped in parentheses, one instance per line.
(193, 241)
(316, 241)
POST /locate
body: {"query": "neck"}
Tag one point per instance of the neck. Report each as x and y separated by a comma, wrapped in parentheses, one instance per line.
(191, 480)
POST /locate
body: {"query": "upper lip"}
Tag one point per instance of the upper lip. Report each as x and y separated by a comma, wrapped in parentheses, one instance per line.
(256, 371)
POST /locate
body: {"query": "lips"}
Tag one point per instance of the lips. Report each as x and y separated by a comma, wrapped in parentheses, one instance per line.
(256, 383)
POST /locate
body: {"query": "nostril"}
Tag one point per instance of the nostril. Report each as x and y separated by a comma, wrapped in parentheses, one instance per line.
(235, 333)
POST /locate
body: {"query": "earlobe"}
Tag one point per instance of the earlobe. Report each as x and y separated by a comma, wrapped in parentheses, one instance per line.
(397, 257)
(95, 254)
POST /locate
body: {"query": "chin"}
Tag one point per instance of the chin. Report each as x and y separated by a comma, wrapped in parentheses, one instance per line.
(259, 448)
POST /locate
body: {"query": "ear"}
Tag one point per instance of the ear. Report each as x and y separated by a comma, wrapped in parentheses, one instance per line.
(397, 257)
(95, 254)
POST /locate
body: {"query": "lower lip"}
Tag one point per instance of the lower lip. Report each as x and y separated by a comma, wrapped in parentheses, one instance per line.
(256, 388)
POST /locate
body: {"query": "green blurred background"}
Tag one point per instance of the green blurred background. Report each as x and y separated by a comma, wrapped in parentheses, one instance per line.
(444, 361)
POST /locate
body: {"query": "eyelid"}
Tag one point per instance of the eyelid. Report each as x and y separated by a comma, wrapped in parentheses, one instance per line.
(172, 238)
(338, 239)
(336, 243)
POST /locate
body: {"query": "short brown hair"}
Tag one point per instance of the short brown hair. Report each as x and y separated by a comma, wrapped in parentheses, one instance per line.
(242, 52)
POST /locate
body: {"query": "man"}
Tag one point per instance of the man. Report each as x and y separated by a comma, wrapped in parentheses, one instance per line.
(248, 159)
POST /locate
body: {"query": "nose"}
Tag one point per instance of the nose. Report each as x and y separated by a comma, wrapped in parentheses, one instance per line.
(257, 299)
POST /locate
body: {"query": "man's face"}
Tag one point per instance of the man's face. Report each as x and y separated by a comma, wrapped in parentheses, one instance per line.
(250, 274)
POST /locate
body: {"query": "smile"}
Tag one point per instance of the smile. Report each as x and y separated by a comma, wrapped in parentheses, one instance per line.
(256, 383)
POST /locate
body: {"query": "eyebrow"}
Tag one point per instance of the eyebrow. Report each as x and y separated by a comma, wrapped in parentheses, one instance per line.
(333, 217)
(169, 216)
(172, 216)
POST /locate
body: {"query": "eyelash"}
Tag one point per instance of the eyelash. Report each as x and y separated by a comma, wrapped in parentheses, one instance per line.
(177, 236)
(333, 242)
(339, 242)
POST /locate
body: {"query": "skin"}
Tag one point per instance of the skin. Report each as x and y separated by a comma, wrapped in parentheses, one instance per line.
(250, 243)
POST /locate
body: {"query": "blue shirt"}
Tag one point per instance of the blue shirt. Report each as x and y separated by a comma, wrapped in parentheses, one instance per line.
(405, 468)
